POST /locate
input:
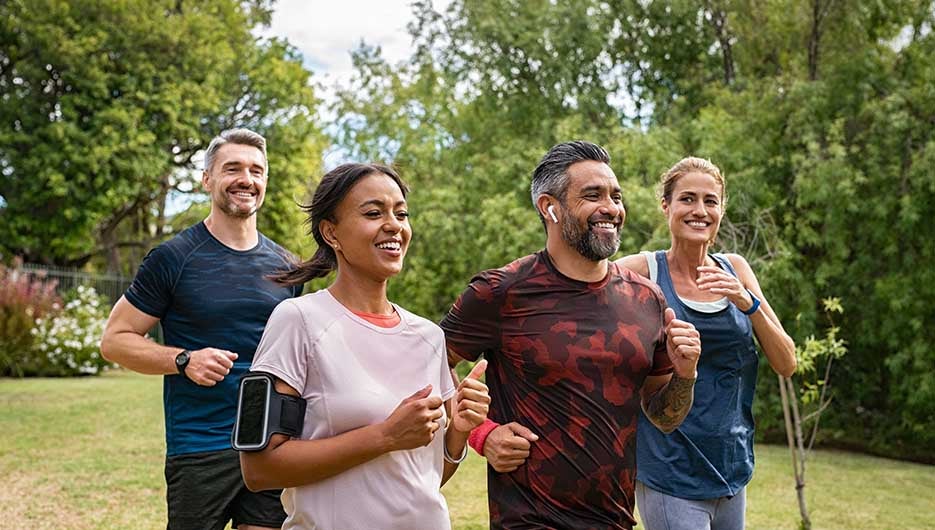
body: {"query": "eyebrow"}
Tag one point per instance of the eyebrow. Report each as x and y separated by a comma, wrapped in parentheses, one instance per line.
(693, 193)
(237, 163)
(378, 202)
(598, 187)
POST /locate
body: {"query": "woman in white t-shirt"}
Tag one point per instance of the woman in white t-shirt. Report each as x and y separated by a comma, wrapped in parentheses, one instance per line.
(377, 443)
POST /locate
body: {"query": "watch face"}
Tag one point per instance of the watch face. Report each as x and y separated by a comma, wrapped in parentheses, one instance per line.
(181, 359)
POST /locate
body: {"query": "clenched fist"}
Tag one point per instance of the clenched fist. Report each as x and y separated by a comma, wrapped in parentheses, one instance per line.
(683, 344)
(414, 422)
(209, 366)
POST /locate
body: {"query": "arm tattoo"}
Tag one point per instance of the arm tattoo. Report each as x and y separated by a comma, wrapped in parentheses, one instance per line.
(669, 406)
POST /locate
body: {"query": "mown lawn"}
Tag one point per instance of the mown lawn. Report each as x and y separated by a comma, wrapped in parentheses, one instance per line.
(88, 454)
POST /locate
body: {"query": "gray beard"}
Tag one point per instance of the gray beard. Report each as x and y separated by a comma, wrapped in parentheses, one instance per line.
(227, 206)
(586, 242)
(236, 213)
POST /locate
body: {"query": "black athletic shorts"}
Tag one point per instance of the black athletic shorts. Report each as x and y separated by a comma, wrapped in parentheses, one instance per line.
(206, 490)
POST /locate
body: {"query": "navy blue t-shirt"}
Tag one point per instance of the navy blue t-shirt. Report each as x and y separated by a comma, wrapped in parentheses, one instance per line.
(208, 295)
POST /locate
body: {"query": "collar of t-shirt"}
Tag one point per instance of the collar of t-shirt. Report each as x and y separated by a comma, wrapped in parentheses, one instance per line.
(599, 284)
(383, 321)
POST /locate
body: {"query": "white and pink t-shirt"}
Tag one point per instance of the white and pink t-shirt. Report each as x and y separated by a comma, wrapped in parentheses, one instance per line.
(352, 374)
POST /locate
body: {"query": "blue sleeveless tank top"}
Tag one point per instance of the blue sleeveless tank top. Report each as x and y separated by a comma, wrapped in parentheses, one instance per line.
(711, 454)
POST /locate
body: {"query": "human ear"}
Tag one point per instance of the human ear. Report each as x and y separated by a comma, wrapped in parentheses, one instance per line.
(551, 210)
(546, 206)
(327, 229)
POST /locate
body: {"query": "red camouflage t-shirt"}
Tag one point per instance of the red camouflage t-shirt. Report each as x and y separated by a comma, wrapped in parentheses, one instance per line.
(567, 359)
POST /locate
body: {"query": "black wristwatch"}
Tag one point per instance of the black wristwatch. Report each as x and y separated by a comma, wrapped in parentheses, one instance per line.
(181, 362)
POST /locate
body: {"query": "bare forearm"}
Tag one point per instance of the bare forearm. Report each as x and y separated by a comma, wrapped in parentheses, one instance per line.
(455, 442)
(138, 353)
(296, 463)
(668, 407)
(777, 345)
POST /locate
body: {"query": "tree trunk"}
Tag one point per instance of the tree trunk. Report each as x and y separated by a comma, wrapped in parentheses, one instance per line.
(719, 20)
(161, 203)
(111, 252)
(819, 12)
(790, 411)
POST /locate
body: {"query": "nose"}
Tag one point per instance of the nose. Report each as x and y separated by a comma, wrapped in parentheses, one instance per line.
(612, 208)
(243, 177)
(393, 225)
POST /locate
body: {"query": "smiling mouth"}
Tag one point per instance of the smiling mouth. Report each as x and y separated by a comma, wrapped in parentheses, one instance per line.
(698, 224)
(242, 194)
(604, 225)
(394, 246)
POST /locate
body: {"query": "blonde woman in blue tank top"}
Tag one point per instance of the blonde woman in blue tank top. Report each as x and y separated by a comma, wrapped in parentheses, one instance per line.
(695, 477)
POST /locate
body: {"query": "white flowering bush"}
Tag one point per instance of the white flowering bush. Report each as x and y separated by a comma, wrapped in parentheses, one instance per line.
(68, 343)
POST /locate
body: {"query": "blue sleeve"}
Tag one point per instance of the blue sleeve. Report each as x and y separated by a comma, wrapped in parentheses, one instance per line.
(151, 290)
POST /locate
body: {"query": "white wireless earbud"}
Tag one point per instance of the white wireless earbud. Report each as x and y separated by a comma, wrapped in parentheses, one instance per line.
(551, 210)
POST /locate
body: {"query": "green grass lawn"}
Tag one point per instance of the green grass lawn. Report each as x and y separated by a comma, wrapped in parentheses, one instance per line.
(88, 453)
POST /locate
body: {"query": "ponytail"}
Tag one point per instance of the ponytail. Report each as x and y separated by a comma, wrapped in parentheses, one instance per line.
(319, 265)
(332, 189)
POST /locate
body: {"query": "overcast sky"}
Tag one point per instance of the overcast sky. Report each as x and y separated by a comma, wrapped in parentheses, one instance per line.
(326, 31)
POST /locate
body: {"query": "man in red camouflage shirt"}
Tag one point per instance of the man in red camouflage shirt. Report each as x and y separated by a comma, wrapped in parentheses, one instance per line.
(576, 345)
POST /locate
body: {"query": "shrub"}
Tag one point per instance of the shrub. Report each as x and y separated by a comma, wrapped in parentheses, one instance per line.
(23, 299)
(69, 343)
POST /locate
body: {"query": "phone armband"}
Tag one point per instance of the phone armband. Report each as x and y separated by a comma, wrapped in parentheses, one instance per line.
(262, 411)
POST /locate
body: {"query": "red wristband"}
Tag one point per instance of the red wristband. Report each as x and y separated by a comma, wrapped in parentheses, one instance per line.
(479, 435)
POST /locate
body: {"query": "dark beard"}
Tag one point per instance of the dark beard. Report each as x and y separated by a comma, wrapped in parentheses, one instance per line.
(586, 242)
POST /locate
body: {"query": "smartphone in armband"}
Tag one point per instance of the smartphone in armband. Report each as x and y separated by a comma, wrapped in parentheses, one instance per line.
(262, 411)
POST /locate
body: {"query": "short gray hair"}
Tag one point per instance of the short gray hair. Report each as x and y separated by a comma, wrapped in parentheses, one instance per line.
(234, 136)
(551, 175)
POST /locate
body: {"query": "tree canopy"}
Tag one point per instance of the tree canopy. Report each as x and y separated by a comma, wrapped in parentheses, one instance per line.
(819, 112)
(106, 105)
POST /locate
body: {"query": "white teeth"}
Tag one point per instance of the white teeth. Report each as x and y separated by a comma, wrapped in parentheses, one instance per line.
(698, 224)
(390, 245)
(604, 225)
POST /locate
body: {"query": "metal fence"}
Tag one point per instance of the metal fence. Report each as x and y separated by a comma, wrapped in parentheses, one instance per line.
(110, 285)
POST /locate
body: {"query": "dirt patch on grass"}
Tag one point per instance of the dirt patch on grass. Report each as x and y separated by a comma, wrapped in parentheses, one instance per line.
(35, 502)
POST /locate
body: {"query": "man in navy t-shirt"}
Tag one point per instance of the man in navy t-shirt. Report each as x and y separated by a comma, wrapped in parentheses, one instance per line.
(208, 288)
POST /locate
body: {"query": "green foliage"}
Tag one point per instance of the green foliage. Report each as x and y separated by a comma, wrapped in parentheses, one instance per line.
(817, 352)
(819, 114)
(104, 107)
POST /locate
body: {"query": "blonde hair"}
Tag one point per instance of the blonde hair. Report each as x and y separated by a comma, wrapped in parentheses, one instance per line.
(690, 164)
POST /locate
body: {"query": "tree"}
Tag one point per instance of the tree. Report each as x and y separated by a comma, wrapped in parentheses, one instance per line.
(106, 105)
(814, 395)
(818, 112)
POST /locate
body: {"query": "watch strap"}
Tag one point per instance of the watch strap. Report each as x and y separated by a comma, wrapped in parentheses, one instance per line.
(180, 367)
